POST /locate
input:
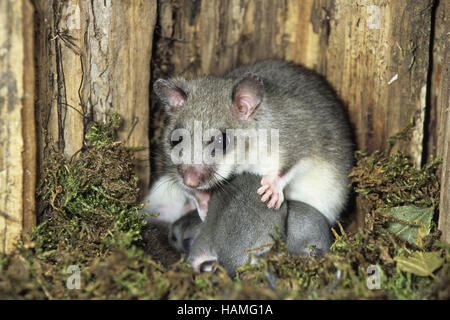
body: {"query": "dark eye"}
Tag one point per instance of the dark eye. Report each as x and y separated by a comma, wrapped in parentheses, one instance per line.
(174, 142)
(222, 141)
(187, 244)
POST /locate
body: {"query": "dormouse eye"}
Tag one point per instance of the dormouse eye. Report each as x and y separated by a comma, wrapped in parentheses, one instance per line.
(174, 142)
(226, 142)
(222, 141)
(187, 244)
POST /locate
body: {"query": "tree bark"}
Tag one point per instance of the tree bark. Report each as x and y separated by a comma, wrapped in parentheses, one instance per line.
(93, 58)
(435, 109)
(17, 126)
(444, 135)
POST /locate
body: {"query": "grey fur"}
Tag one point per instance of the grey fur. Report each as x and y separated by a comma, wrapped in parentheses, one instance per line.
(296, 101)
(238, 220)
(184, 231)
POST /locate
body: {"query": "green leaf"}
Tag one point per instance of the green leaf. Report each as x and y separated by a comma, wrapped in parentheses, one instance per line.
(408, 220)
(421, 263)
(365, 191)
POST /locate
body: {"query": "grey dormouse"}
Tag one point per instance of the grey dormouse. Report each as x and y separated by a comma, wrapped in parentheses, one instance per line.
(315, 150)
(237, 220)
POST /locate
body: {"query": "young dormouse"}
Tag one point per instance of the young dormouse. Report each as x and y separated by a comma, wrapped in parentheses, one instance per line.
(315, 150)
(237, 220)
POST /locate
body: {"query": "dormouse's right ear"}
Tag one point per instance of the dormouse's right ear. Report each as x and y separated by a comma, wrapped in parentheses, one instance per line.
(172, 96)
(247, 95)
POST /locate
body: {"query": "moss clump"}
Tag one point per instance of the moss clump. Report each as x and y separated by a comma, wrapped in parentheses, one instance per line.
(393, 181)
(90, 219)
(89, 211)
(91, 201)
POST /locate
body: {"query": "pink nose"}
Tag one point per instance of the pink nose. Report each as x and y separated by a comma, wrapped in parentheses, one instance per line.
(193, 176)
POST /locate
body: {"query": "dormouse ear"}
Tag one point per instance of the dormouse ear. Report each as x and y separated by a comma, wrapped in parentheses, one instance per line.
(172, 96)
(247, 94)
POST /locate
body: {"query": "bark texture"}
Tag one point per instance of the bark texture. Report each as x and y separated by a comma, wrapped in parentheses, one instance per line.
(17, 129)
(93, 58)
(443, 132)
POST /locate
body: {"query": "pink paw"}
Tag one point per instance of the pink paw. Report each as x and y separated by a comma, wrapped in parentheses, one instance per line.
(271, 189)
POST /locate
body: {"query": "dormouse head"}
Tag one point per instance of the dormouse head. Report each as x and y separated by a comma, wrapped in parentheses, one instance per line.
(205, 117)
(183, 232)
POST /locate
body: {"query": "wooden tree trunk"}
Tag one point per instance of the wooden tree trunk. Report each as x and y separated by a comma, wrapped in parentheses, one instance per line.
(374, 53)
(17, 129)
(441, 26)
(94, 57)
(443, 131)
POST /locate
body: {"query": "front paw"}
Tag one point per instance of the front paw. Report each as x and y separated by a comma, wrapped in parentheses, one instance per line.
(271, 189)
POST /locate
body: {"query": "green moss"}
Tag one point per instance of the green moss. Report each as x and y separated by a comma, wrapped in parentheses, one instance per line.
(90, 219)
